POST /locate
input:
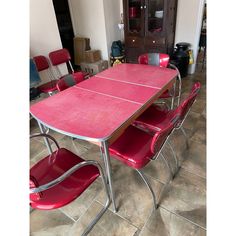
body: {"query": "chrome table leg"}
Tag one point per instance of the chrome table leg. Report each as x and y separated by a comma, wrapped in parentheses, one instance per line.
(106, 156)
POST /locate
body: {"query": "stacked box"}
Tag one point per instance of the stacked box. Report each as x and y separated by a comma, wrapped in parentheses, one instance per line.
(80, 46)
(95, 67)
(91, 56)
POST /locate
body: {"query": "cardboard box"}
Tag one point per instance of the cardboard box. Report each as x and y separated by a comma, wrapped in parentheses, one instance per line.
(94, 68)
(80, 46)
(92, 56)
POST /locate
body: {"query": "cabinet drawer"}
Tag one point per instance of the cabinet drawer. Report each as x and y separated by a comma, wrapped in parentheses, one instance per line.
(134, 42)
(132, 54)
(155, 42)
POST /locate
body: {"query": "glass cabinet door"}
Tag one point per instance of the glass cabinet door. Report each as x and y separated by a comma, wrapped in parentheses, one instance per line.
(155, 16)
(135, 16)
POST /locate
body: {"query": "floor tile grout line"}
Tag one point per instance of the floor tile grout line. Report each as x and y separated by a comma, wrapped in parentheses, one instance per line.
(147, 221)
(156, 179)
(94, 200)
(128, 221)
(193, 173)
(67, 215)
(183, 217)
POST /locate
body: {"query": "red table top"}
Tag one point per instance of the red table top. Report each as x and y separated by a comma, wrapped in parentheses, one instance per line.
(99, 108)
(130, 92)
(144, 75)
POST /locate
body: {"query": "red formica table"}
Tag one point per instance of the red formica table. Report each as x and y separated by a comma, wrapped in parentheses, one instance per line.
(101, 108)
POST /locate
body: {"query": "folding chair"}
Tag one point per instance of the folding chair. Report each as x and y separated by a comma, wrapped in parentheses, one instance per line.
(42, 64)
(62, 56)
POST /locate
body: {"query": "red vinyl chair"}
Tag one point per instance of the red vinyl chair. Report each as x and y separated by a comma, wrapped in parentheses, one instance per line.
(156, 118)
(162, 60)
(60, 178)
(67, 81)
(62, 56)
(136, 148)
(42, 64)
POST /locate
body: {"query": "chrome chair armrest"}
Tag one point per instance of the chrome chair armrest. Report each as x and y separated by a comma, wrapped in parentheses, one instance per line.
(67, 174)
(45, 136)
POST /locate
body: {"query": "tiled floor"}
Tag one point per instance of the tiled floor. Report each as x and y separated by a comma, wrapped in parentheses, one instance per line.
(183, 200)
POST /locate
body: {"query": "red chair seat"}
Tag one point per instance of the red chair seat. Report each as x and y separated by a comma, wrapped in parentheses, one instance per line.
(134, 154)
(48, 87)
(155, 118)
(68, 190)
(78, 76)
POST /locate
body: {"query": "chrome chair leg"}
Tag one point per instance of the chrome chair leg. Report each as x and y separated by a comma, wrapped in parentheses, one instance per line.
(45, 131)
(174, 155)
(99, 215)
(149, 187)
(168, 166)
(185, 135)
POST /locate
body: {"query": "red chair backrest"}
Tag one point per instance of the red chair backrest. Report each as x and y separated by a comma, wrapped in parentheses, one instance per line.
(188, 102)
(41, 62)
(59, 56)
(160, 136)
(156, 59)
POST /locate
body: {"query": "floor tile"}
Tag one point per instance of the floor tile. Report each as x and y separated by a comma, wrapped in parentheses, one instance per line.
(157, 169)
(199, 131)
(195, 159)
(79, 206)
(199, 105)
(133, 199)
(49, 223)
(186, 196)
(165, 223)
(73, 145)
(35, 148)
(109, 224)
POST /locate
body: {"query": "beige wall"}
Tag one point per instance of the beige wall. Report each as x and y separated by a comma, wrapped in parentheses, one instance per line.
(44, 34)
(188, 25)
(89, 21)
(97, 20)
(112, 18)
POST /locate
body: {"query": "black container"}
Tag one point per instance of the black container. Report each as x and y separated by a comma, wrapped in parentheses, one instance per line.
(180, 58)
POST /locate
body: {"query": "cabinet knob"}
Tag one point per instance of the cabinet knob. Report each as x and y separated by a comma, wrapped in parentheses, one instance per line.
(141, 7)
(133, 40)
(145, 7)
(153, 41)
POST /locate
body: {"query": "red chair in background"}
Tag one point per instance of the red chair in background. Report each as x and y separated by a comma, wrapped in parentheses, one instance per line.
(67, 81)
(60, 178)
(162, 60)
(136, 148)
(155, 118)
(62, 56)
(42, 64)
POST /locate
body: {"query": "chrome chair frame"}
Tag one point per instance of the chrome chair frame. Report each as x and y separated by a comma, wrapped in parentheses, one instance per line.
(179, 87)
(155, 157)
(67, 174)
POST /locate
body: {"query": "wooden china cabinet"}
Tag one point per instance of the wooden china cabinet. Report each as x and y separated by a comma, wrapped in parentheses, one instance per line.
(149, 26)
